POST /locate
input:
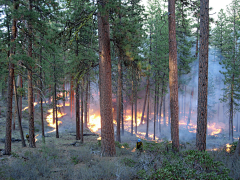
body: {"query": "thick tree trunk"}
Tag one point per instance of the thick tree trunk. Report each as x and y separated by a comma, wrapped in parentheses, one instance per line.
(119, 98)
(77, 112)
(30, 87)
(203, 77)
(105, 87)
(173, 76)
(55, 98)
(8, 137)
(145, 99)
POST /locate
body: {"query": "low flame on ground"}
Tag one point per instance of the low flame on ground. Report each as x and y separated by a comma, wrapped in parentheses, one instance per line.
(49, 118)
(34, 104)
(228, 146)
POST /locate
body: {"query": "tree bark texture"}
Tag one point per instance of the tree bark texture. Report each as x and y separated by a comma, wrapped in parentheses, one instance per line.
(105, 87)
(203, 77)
(173, 76)
(8, 137)
(30, 87)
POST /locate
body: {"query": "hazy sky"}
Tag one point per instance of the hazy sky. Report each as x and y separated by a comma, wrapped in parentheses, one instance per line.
(215, 4)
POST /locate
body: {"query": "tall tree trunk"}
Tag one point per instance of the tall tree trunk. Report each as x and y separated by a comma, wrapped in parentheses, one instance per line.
(107, 131)
(147, 127)
(135, 97)
(8, 136)
(145, 99)
(30, 87)
(155, 106)
(132, 107)
(20, 96)
(89, 96)
(82, 90)
(184, 103)
(119, 97)
(64, 96)
(55, 98)
(231, 113)
(86, 100)
(18, 114)
(77, 112)
(41, 90)
(173, 76)
(203, 77)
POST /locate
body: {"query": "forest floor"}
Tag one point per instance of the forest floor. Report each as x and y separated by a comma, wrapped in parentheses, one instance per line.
(67, 158)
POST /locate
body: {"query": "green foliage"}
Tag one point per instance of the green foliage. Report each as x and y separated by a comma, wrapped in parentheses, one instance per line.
(189, 164)
(75, 160)
(128, 162)
(233, 147)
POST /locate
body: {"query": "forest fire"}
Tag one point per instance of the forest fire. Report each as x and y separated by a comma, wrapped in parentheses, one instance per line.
(34, 104)
(49, 118)
(94, 123)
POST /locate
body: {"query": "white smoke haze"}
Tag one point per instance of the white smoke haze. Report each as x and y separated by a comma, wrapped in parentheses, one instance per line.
(218, 122)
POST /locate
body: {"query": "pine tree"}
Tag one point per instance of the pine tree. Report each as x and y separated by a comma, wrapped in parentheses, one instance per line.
(203, 77)
(173, 76)
(107, 132)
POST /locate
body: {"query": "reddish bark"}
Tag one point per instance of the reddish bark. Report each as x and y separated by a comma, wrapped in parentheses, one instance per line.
(173, 76)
